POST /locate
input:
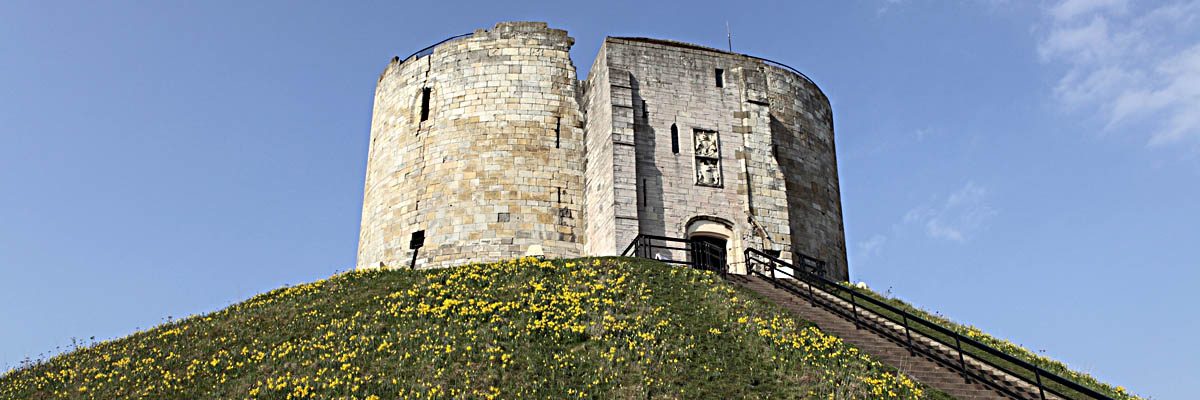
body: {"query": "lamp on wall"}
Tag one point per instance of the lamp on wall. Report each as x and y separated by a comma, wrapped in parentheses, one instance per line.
(415, 243)
(535, 251)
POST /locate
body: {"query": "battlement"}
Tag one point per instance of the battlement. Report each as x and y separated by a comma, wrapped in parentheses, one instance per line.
(535, 30)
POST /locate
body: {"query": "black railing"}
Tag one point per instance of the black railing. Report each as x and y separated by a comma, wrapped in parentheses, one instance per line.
(950, 348)
(802, 75)
(429, 50)
(946, 346)
(690, 252)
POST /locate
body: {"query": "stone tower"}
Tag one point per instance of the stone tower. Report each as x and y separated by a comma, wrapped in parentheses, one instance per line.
(490, 147)
(478, 144)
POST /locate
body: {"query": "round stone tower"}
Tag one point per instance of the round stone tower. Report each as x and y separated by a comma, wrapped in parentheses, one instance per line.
(476, 146)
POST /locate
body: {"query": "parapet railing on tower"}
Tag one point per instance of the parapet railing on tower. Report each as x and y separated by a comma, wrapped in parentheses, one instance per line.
(429, 50)
(802, 75)
(974, 360)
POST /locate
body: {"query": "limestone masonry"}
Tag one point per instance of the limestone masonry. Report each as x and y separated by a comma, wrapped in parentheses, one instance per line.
(490, 147)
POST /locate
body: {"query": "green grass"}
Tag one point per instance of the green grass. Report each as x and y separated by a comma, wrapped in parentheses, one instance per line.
(1003, 345)
(607, 328)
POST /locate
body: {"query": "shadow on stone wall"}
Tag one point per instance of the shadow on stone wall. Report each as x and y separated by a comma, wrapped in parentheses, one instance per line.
(651, 208)
(806, 239)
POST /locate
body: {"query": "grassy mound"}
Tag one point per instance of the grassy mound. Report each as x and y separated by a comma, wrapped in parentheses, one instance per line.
(609, 328)
(1046, 363)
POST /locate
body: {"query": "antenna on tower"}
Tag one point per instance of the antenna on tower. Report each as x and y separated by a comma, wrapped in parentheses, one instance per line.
(729, 36)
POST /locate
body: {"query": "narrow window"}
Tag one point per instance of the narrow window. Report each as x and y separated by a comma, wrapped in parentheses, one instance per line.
(674, 139)
(720, 77)
(424, 104)
(642, 191)
(557, 132)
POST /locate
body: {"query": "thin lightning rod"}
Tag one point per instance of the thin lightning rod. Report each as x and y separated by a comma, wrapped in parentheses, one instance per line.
(729, 36)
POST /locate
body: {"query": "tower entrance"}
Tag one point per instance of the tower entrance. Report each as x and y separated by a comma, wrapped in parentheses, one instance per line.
(709, 239)
(709, 253)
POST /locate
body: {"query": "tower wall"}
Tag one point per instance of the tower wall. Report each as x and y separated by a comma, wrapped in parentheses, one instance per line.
(802, 134)
(497, 165)
(777, 188)
(600, 204)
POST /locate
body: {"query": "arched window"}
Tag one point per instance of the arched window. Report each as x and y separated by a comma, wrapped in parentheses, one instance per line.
(674, 139)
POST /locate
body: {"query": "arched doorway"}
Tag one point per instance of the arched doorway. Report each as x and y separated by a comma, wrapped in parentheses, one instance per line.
(710, 243)
(709, 253)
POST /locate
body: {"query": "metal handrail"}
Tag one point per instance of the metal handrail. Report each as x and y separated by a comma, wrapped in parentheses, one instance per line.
(811, 274)
(700, 255)
(796, 71)
(813, 279)
(429, 49)
(854, 315)
(640, 238)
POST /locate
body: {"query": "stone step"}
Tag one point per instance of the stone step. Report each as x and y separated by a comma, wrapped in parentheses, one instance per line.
(846, 331)
(897, 355)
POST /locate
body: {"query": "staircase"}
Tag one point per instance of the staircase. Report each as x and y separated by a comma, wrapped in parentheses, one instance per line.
(930, 353)
(918, 367)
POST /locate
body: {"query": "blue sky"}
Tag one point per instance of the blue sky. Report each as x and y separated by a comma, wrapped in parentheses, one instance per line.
(1027, 167)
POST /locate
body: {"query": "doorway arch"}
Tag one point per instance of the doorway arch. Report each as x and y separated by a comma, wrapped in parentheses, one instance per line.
(714, 240)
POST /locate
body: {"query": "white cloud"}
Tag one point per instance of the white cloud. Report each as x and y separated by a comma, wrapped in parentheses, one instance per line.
(1136, 68)
(991, 5)
(886, 4)
(1070, 8)
(959, 216)
(921, 133)
(1081, 44)
(963, 214)
(871, 247)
